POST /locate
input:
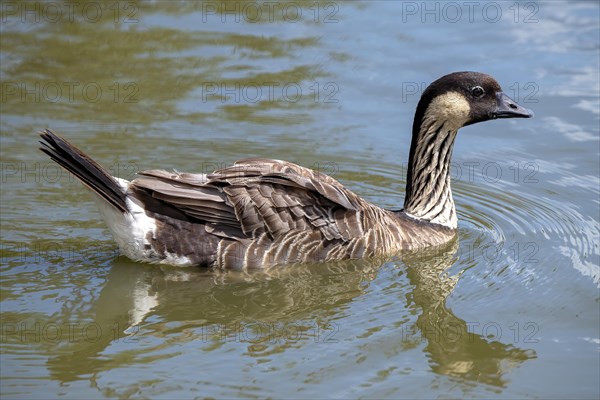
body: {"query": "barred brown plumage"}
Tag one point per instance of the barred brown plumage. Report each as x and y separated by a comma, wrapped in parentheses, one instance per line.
(263, 212)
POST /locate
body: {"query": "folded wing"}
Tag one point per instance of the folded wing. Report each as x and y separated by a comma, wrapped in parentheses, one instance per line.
(254, 197)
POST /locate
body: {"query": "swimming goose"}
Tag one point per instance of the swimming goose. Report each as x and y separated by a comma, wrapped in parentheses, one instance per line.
(261, 212)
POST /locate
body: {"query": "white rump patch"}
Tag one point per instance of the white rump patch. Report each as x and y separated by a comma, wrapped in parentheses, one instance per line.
(131, 230)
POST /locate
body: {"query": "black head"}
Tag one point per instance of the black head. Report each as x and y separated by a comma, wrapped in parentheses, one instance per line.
(467, 98)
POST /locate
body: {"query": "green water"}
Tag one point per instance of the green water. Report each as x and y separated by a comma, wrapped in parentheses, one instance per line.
(509, 310)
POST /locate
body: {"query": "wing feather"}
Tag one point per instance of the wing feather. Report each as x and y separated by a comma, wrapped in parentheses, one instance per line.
(257, 196)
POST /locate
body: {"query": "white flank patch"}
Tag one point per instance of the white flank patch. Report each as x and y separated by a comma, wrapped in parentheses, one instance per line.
(131, 230)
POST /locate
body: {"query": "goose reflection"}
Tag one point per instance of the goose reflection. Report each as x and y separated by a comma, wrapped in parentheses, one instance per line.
(453, 348)
(142, 312)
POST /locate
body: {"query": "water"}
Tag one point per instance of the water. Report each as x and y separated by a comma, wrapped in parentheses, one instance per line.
(510, 309)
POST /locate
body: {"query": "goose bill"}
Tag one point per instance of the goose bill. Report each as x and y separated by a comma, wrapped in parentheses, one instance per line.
(508, 108)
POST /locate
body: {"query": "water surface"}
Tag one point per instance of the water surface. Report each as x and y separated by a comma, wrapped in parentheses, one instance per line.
(510, 309)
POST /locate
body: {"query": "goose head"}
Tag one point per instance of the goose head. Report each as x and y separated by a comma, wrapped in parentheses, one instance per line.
(449, 103)
(464, 98)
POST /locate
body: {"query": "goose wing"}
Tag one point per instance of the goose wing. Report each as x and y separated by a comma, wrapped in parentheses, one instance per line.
(253, 197)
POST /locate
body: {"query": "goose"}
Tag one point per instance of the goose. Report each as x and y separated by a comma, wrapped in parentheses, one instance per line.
(260, 212)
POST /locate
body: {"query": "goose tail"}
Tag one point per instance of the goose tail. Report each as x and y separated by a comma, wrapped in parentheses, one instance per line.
(88, 171)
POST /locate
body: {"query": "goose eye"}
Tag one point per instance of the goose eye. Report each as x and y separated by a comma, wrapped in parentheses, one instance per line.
(477, 91)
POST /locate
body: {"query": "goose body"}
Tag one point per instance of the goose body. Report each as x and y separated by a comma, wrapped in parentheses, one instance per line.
(263, 212)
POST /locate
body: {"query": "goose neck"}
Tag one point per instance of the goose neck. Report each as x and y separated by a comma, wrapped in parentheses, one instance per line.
(428, 191)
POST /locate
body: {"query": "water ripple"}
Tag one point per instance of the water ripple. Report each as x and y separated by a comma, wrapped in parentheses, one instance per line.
(504, 216)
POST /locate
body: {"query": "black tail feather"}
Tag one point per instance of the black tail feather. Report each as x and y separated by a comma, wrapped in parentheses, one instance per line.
(89, 172)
